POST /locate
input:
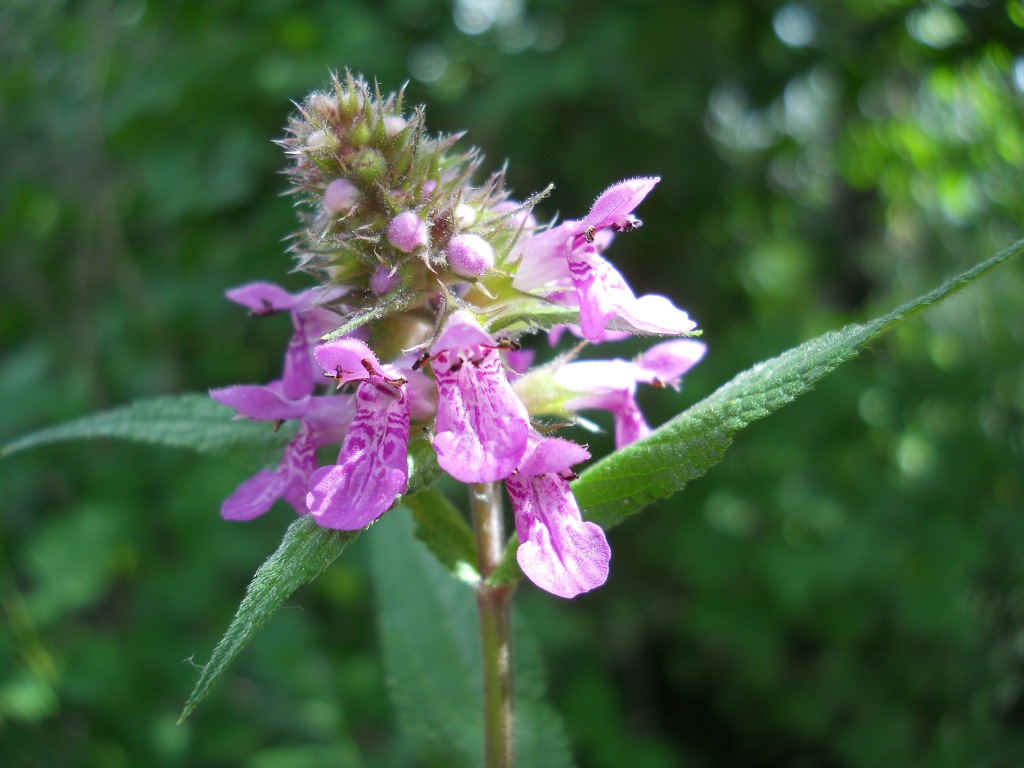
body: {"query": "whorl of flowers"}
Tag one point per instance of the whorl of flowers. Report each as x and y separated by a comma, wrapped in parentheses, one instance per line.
(429, 283)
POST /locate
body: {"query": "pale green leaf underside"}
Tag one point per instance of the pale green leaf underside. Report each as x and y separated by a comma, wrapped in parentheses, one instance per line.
(193, 421)
(685, 447)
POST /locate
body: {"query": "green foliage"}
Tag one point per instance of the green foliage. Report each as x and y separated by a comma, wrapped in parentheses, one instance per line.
(431, 641)
(190, 421)
(444, 530)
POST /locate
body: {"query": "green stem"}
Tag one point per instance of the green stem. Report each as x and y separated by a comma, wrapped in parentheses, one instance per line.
(494, 606)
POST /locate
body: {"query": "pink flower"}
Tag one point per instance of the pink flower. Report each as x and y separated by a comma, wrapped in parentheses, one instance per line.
(311, 321)
(323, 420)
(371, 471)
(610, 385)
(570, 254)
(558, 551)
(481, 425)
(407, 232)
(257, 494)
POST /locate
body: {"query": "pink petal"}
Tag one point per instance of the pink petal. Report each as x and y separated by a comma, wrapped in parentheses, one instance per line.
(297, 463)
(301, 374)
(461, 330)
(669, 360)
(615, 204)
(630, 424)
(372, 470)
(254, 496)
(558, 551)
(348, 360)
(541, 257)
(604, 294)
(654, 313)
(599, 375)
(261, 403)
(551, 455)
(265, 298)
(481, 424)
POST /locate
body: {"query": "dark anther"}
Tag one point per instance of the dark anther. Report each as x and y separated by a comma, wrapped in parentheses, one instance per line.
(508, 344)
(568, 475)
(421, 361)
(268, 309)
(631, 223)
(278, 423)
(590, 233)
(656, 382)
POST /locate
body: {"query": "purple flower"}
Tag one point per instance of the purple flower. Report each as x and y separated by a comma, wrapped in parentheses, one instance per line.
(257, 494)
(570, 254)
(372, 470)
(558, 551)
(323, 420)
(469, 255)
(310, 320)
(481, 425)
(610, 385)
(407, 232)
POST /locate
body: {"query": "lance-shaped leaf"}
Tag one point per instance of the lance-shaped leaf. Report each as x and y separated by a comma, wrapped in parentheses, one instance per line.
(193, 421)
(304, 553)
(685, 447)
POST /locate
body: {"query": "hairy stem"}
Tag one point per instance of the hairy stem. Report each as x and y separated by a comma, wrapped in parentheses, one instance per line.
(494, 604)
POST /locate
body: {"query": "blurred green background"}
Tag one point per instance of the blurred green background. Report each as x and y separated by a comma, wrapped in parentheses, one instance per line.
(846, 589)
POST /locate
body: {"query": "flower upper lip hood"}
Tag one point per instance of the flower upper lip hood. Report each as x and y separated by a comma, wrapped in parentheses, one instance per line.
(569, 256)
(481, 425)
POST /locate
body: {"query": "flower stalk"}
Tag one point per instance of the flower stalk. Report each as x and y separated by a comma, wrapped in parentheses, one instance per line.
(494, 607)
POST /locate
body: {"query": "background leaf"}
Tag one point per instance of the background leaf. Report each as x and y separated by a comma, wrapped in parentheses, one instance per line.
(192, 421)
(623, 483)
(430, 636)
(445, 531)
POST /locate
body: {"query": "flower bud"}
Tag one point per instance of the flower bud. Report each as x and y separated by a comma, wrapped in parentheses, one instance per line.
(340, 196)
(393, 125)
(370, 166)
(469, 255)
(317, 139)
(407, 232)
(384, 280)
(466, 215)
